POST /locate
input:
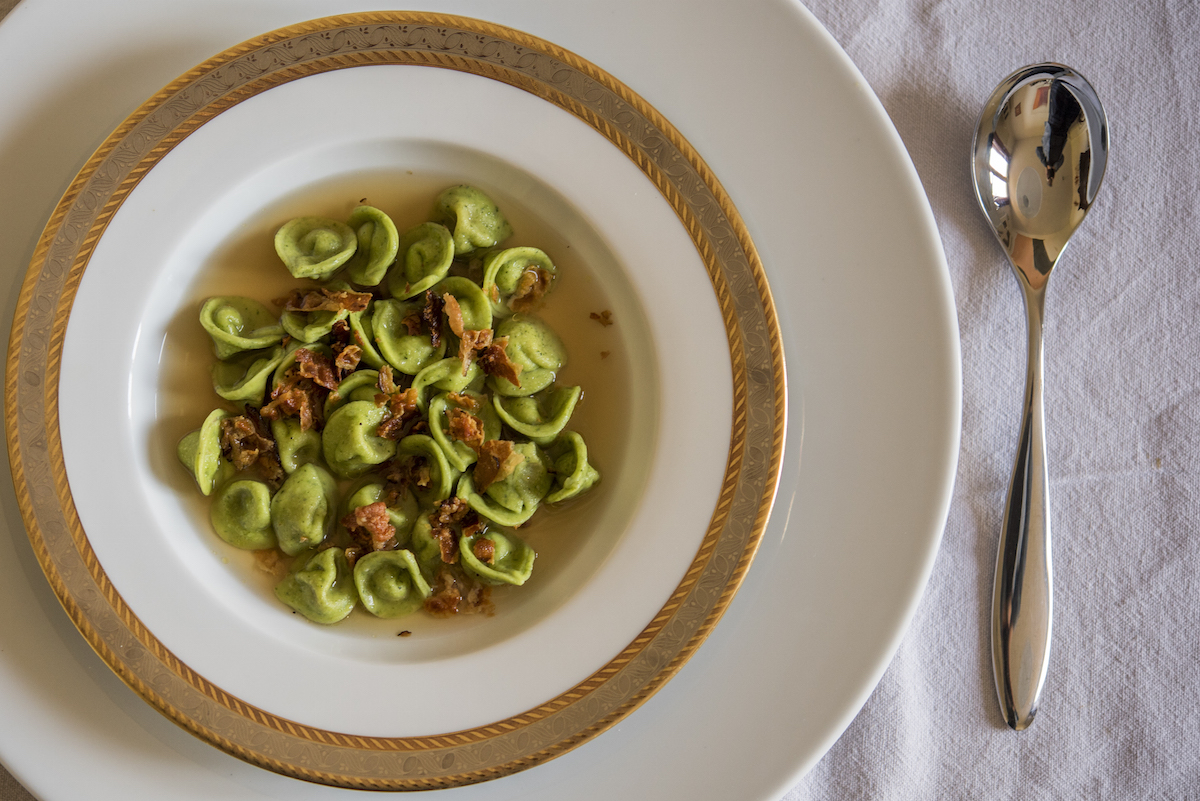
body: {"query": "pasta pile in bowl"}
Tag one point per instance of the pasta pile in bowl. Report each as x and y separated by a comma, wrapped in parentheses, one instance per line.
(387, 434)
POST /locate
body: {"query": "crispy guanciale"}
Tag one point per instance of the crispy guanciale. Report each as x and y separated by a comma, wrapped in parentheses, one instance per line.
(454, 593)
(412, 322)
(340, 335)
(444, 524)
(346, 359)
(469, 340)
(431, 316)
(245, 441)
(317, 366)
(402, 409)
(484, 550)
(465, 427)
(407, 471)
(447, 540)
(387, 380)
(324, 299)
(494, 360)
(346, 353)
(453, 312)
(449, 512)
(497, 460)
(531, 288)
(470, 343)
(298, 397)
(400, 405)
(463, 401)
(372, 521)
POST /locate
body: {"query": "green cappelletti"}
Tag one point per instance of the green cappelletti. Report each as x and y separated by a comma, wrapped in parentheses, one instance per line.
(387, 434)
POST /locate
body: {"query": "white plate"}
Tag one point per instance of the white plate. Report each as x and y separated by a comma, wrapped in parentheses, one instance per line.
(684, 406)
(869, 332)
(145, 371)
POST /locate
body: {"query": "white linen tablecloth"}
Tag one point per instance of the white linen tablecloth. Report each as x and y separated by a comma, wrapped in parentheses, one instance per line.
(1120, 714)
(1121, 710)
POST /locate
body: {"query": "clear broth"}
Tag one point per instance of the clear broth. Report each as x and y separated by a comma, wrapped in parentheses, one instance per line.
(246, 264)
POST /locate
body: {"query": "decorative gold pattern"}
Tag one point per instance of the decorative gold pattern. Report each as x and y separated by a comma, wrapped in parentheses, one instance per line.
(414, 763)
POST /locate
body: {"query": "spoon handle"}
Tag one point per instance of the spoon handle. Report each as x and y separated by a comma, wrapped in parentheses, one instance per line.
(1022, 601)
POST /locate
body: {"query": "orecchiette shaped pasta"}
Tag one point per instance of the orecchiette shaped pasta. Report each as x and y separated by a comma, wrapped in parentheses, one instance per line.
(295, 446)
(441, 474)
(243, 379)
(446, 375)
(200, 453)
(514, 279)
(304, 509)
(534, 348)
(361, 385)
(511, 501)
(402, 510)
(315, 247)
(477, 221)
(241, 514)
(541, 419)
(423, 259)
(408, 353)
(572, 472)
(474, 305)
(238, 324)
(459, 453)
(351, 442)
(390, 583)
(497, 558)
(320, 586)
(378, 242)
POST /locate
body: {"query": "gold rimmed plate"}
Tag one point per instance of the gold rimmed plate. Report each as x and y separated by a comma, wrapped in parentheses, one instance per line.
(689, 408)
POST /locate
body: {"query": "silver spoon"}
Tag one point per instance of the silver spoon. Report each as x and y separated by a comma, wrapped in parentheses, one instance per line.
(1038, 158)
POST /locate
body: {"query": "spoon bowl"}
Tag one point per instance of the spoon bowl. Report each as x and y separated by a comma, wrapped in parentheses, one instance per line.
(1039, 155)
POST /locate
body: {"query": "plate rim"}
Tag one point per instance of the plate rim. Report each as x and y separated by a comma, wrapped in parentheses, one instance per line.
(21, 383)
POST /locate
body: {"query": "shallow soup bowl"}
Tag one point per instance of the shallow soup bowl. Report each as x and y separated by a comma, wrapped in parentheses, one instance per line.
(662, 306)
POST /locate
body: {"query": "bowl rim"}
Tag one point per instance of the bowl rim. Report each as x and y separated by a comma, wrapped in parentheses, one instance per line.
(432, 40)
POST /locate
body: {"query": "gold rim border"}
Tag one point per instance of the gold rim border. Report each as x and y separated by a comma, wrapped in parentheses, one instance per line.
(80, 610)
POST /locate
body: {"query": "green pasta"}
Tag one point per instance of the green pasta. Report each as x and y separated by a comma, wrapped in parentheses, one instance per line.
(477, 221)
(512, 500)
(535, 349)
(302, 511)
(509, 559)
(351, 442)
(389, 431)
(515, 278)
(426, 253)
(238, 324)
(407, 352)
(390, 583)
(200, 453)
(378, 243)
(241, 514)
(320, 586)
(244, 377)
(314, 247)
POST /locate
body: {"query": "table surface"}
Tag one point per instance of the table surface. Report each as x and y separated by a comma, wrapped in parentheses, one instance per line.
(1122, 703)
